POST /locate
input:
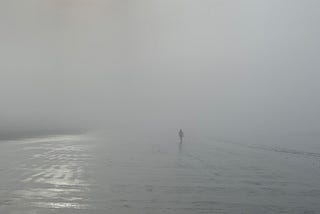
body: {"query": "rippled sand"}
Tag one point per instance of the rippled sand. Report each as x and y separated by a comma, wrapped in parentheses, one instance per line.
(139, 174)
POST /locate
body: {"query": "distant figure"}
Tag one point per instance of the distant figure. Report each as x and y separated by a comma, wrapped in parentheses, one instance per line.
(181, 135)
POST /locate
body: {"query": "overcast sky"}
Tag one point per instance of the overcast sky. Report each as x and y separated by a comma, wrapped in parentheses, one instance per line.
(241, 68)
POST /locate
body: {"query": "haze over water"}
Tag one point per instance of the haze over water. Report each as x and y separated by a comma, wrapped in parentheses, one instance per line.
(93, 94)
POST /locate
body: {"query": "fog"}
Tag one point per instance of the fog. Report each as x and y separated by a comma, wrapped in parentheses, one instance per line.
(94, 92)
(237, 70)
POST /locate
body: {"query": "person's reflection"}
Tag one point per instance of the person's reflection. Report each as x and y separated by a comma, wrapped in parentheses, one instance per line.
(180, 147)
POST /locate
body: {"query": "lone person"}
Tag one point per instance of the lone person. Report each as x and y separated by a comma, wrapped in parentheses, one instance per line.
(181, 135)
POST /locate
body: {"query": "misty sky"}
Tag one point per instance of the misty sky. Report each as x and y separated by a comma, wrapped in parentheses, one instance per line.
(232, 68)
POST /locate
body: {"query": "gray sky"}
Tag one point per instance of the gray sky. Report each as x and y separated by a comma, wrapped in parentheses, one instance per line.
(245, 69)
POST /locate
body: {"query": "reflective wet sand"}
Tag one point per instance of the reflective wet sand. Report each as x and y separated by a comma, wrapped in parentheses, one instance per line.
(43, 175)
(137, 174)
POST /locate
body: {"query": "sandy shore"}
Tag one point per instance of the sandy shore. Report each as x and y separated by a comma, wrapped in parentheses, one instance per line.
(140, 174)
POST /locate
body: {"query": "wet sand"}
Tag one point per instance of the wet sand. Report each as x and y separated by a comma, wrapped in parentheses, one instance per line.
(140, 174)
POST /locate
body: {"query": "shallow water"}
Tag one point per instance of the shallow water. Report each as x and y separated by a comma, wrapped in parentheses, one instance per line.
(140, 174)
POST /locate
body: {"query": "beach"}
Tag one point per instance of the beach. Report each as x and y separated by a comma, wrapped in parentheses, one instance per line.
(136, 173)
